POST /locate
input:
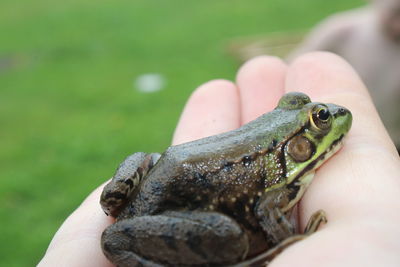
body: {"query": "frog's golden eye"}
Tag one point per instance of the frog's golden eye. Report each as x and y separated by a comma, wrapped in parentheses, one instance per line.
(321, 117)
(300, 148)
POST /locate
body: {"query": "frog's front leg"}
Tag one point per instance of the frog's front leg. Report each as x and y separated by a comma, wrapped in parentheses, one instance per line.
(274, 221)
(281, 233)
(275, 218)
(315, 221)
(175, 239)
(128, 175)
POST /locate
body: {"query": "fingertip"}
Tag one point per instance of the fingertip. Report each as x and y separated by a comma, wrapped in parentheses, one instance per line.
(260, 63)
(323, 73)
(212, 108)
(202, 93)
(327, 77)
(261, 84)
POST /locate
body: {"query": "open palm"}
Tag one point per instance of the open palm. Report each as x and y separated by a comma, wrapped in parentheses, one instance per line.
(359, 188)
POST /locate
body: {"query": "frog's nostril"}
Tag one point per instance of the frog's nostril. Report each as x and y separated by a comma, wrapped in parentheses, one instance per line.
(342, 111)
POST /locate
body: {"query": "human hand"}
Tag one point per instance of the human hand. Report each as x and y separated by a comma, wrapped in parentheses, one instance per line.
(358, 188)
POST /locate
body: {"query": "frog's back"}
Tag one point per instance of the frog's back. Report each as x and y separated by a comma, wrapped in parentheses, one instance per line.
(258, 135)
(198, 173)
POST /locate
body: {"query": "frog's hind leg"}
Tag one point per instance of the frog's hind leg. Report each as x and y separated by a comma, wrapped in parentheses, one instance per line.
(128, 175)
(175, 239)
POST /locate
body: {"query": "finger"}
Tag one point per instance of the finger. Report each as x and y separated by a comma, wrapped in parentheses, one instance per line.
(261, 84)
(346, 185)
(213, 108)
(326, 77)
(77, 242)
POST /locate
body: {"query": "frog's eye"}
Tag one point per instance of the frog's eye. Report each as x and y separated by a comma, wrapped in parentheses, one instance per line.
(300, 148)
(321, 117)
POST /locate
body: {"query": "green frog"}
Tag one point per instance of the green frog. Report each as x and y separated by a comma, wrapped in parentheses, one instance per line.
(222, 200)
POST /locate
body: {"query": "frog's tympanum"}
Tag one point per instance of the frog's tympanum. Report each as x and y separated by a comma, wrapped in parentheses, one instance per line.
(223, 200)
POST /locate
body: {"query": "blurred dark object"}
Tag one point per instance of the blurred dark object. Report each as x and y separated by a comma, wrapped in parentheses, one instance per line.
(277, 44)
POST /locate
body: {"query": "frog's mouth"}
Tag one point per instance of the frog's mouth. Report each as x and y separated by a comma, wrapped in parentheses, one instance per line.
(335, 147)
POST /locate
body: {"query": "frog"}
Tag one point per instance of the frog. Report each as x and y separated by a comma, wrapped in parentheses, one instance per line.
(227, 199)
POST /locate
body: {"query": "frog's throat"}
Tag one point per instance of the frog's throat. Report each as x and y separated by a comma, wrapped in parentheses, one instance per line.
(302, 185)
(304, 178)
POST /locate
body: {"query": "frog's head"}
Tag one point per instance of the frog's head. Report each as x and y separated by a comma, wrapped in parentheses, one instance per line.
(320, 130)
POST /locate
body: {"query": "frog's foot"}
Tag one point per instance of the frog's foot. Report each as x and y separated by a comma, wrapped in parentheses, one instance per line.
(266, 257)
(128, 175)
(315, 221)
(175, 239)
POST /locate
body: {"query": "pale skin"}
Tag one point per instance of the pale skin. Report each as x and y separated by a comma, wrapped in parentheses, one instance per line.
(369, 39)
(359, 187)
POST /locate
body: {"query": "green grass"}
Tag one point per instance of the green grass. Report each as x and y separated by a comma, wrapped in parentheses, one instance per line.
(68, 111)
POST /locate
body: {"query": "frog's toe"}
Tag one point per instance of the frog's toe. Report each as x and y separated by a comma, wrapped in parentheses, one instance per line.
(129, 174)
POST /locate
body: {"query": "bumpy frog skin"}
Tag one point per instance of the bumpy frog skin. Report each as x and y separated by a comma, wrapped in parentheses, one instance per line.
(225, 199)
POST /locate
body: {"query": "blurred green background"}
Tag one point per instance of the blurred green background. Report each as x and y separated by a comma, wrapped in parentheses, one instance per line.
(69, 112)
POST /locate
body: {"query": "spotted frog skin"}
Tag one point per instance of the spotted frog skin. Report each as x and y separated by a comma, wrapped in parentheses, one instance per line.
(225, 199)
